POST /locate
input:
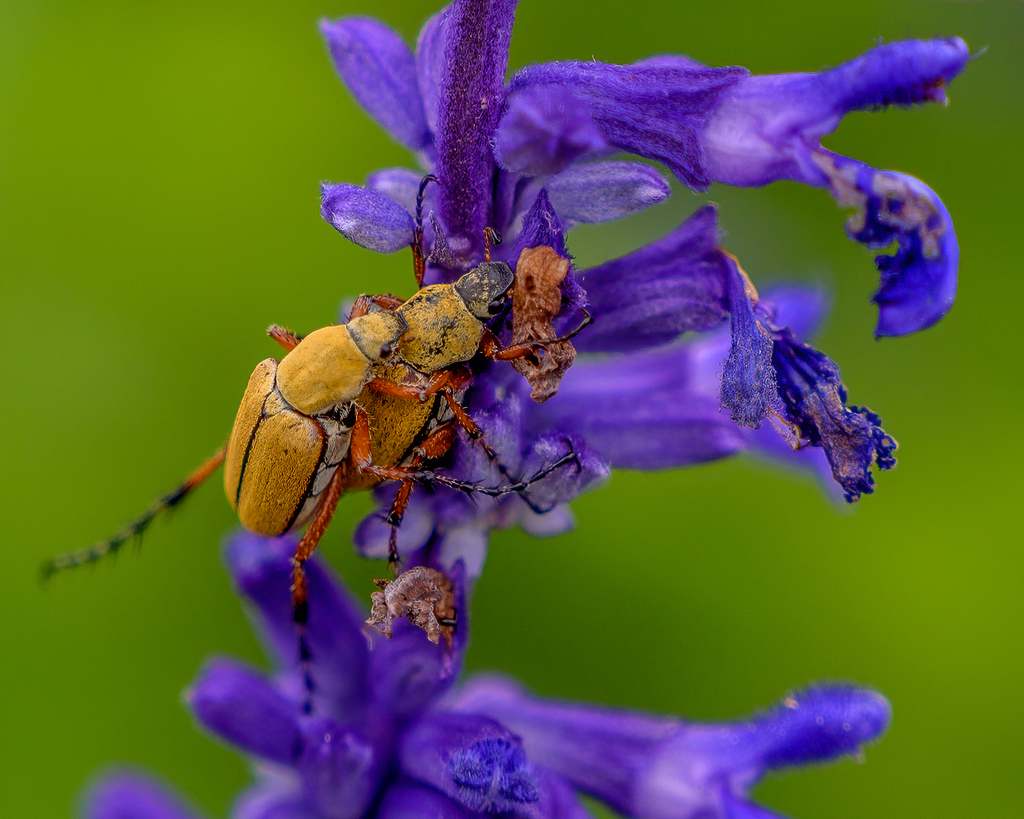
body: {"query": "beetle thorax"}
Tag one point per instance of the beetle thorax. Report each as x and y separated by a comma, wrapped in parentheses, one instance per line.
(442, 331)
(326, 369)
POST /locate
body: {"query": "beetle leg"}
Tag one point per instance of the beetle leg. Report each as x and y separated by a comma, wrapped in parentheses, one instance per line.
(386, 386)
(136, 527)
(436, 444)
(452, 379)
(364, 303)
(491, 347)
(300, 592)
(283, 336)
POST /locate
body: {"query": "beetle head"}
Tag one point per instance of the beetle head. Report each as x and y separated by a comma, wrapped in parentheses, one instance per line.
(484, 288)
(377, 332)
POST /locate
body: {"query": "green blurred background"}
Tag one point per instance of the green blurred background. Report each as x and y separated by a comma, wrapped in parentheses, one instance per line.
(159, 169)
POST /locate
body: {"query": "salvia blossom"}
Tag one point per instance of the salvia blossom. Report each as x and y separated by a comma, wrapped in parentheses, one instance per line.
(394, 736)
(687, 362)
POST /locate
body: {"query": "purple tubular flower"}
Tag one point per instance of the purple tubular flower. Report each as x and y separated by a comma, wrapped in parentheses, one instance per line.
(723, 125)
(769, 374)
(665, 768)
(603, 191)
(768, 128)
(417, 745)
(659, 292)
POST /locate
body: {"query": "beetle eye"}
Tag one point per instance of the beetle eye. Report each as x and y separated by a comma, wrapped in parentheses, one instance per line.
(495, 306)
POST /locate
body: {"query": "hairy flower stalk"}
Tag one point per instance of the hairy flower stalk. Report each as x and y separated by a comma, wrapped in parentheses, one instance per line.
(684, 363)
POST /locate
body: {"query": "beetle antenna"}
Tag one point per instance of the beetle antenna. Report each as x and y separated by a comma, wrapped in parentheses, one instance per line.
(491, 237)
(134, 530)
(517, 488)
(419, 261)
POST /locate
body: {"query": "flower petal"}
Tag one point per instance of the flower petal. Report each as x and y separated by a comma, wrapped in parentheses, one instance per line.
(750, 390)
(471, 97)
(542, 226)
(431, 46)
(379, 69)
(238, 704)
(545, 130)
(398, 184)
(641, 411)
(410, 800)
(126, 795)
(768, 128)
(341, 771)
(918, 282)
(369, 219)
(655, 108)
(815, 398)
(770, 374)
(604, 191)
(656, 293)
(262, 571)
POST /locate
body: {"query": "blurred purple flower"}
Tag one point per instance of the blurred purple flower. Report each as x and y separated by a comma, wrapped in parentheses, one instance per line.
(528, 158)
(394, 737)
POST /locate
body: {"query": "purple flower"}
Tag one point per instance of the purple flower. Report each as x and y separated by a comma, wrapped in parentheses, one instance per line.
(530, 159)
(393, 736)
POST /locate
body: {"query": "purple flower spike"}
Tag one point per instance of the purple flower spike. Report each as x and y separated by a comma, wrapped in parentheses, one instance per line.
(418, 746)
(665, 768)
(471, 95)
(126, 795)
(379, 69)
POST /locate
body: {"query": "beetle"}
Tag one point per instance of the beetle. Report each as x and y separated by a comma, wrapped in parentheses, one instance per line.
(300, 439)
